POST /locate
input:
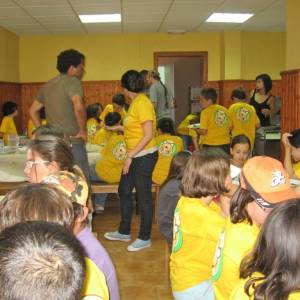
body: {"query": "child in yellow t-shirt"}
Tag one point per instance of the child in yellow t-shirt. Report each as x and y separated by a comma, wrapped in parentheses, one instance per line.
(214, 122)
(168, 145)
(118, 105)
(30, 126)
(109, 167)
(187, 133)
(264, 183)
(93, 112)
(267, 271)
(243, 116)
(197, 223)
(8, 127)
(291, 142)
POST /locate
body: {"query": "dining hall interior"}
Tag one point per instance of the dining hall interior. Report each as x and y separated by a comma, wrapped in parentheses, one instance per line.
(165, 35)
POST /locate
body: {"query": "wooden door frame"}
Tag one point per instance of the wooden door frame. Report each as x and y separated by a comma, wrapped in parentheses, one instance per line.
(201, 54)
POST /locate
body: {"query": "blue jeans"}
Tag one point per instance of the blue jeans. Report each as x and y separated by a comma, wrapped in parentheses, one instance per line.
(80, 158)
(99, 199)
(140, 178)
(186, 139)
(202, 291)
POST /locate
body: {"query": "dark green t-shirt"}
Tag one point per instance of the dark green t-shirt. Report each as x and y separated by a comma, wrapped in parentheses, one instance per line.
(56, 95)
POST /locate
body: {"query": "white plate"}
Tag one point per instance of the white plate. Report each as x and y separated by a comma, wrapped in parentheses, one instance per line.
(8, 150)
(194, 126)
(294, 181)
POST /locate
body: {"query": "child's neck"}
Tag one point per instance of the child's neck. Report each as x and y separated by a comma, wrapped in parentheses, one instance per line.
(239, 165)
(207, 200)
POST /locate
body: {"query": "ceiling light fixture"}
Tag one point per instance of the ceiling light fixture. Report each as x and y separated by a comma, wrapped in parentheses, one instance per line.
(108, 18)
(228, 18)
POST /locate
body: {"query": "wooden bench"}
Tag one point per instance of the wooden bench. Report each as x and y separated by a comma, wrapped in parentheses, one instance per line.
(112, 188)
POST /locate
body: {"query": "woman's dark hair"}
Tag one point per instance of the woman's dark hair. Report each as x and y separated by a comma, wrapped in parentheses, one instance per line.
(166, 125)
(94, 110)
(238, 206)
(68, 58)
(266, 79)
(240, 139)
(294, 139)
(49, 129)
(42, 113)
(9, 108)
(155, 74)
(275, 255)
(205, 174)
(238, 93)
(119, 99)
(133, 81)
(209, 94)
(177, 166)
(112, 118)
(52, 148)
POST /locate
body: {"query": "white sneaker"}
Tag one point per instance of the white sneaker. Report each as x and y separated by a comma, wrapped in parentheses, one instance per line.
(116, 236)
(138, 245)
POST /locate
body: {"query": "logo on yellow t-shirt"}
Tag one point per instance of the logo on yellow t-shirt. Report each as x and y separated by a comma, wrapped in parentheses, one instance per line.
(221, 119)
(243, 114)
(177, 233)
(167, 148)
(119, 151)
(218, 258)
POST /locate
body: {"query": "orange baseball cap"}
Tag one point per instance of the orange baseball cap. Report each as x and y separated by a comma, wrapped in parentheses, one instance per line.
(267, 181)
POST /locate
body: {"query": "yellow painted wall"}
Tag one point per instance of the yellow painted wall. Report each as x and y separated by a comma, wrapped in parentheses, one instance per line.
(9, 56)
(263, 52)
(293, 35)
(231, 55)
(108, 56)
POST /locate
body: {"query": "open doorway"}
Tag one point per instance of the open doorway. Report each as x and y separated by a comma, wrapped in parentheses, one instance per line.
(181, 71)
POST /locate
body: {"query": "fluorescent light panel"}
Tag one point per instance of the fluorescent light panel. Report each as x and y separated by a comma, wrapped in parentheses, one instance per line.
(228, 18)
(108, 18)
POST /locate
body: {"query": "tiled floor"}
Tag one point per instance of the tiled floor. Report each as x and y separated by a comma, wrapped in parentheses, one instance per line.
(142, 275)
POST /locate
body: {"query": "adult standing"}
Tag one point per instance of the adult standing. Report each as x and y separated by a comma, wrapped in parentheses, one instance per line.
(160, 96)
(262, 99)
(62, 98)
(139, 129)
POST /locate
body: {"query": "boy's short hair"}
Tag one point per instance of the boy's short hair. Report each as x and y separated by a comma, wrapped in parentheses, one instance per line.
(94, 110)
(209, 94)
(112, 118)
(68, 58)
(238, 93)
(294, 139)
(36, 202)
(119, 99)
(40, 260)
(166, 125)
(9, 108)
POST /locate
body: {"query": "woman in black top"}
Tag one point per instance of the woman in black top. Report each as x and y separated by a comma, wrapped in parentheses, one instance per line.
(262, 100)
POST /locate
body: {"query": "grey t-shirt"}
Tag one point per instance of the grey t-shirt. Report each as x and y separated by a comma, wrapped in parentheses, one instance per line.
(56, 95)
(168, 199)
(157, 95)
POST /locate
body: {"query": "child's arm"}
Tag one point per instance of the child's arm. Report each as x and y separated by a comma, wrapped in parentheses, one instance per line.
(288, 165)
(34, 109)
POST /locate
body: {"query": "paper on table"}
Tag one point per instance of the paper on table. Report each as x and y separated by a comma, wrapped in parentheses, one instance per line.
(194, 126)
(6, 177)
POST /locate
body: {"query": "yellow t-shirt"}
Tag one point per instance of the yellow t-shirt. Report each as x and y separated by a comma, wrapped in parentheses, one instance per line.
(244, 119)
(102, 136)
(215, 119)
(234, 243)
(239, 293)
(8, 127)
(196, 231)
(140, 110)
(168, 146)
(109, 167)
(92, 126)
(296, 168)
(183, 126)
(109, 108)
(94, 283)
(31, 127)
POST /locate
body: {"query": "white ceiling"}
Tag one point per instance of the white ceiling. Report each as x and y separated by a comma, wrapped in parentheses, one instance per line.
(29, 17)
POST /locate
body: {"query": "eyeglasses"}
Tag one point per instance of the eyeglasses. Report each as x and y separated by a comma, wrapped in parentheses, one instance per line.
(31, 163)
